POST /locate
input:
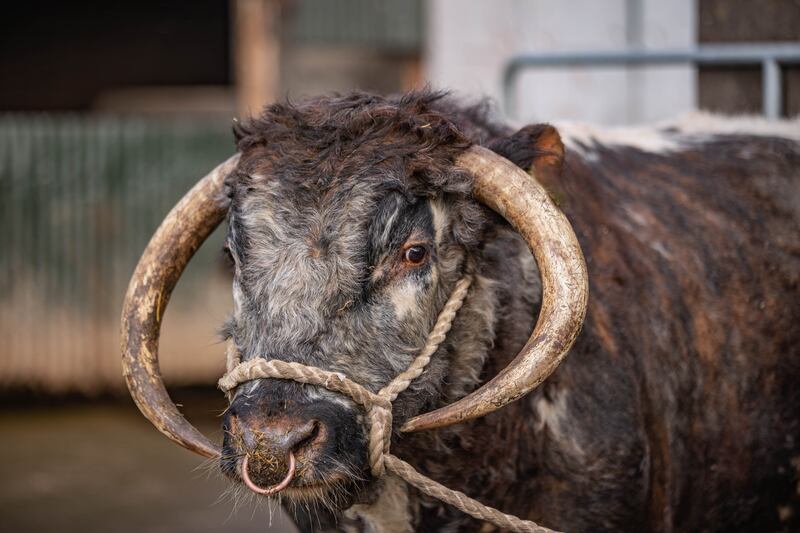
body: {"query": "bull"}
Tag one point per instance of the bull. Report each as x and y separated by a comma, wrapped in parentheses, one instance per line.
(350, 220)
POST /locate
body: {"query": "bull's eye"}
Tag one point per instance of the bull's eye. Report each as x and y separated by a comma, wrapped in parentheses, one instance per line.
(415, 255)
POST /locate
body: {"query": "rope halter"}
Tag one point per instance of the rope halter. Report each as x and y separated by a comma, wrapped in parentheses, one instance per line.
(378, 407)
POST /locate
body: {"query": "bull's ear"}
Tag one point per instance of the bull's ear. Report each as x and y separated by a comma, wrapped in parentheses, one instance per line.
(536, 147)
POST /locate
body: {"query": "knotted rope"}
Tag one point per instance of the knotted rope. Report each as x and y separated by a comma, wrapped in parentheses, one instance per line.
(379, 412)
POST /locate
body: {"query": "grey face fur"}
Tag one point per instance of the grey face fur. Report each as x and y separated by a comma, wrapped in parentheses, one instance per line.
(319, 285)
(345, 248)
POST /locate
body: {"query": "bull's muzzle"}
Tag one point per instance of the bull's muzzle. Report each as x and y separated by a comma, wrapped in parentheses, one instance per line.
(273, 443)
(269, 447)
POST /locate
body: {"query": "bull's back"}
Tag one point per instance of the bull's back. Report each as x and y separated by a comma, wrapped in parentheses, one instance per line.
(692, 337)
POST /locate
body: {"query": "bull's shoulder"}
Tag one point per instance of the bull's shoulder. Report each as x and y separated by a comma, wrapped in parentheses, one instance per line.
(693, 177)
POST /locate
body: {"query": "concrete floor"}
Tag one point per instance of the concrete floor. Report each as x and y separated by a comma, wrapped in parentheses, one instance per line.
(100, 466)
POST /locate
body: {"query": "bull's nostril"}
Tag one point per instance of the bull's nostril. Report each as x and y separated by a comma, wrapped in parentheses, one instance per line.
(303, 436)
(309, 438)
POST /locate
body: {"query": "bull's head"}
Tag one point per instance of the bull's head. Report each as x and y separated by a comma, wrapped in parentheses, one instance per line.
(350, 221)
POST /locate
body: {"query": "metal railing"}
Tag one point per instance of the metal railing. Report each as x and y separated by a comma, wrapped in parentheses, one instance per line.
(770, 56)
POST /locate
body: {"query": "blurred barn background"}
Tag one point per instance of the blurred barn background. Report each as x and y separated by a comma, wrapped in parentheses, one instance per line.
(109, 111)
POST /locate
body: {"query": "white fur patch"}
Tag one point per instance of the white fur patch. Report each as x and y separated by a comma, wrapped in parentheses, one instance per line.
(582, 138)
(551, 413)
(404, 299)
(390, 513)
(238, 299)
(700, 123)
(659, 248)
(671, 135)
(551, 416)
(439, 219)
(388, 225)
(318, 393)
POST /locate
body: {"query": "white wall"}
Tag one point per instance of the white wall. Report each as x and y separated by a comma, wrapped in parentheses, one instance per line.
(469, 41)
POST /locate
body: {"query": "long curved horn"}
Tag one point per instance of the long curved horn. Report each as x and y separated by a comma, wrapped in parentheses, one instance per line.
(524, 203)
(189, 223)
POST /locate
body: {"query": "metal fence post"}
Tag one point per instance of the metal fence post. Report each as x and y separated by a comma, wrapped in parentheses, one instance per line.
(772, 89)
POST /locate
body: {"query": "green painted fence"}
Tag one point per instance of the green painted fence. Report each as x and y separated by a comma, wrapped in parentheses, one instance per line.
(80, 196)
(386, 25)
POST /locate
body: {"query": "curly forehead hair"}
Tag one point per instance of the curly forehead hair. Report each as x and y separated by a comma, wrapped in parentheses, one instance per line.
(406, 143)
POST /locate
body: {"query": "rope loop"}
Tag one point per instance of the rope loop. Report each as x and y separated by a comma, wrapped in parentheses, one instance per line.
(378, 408)
(379, 437)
